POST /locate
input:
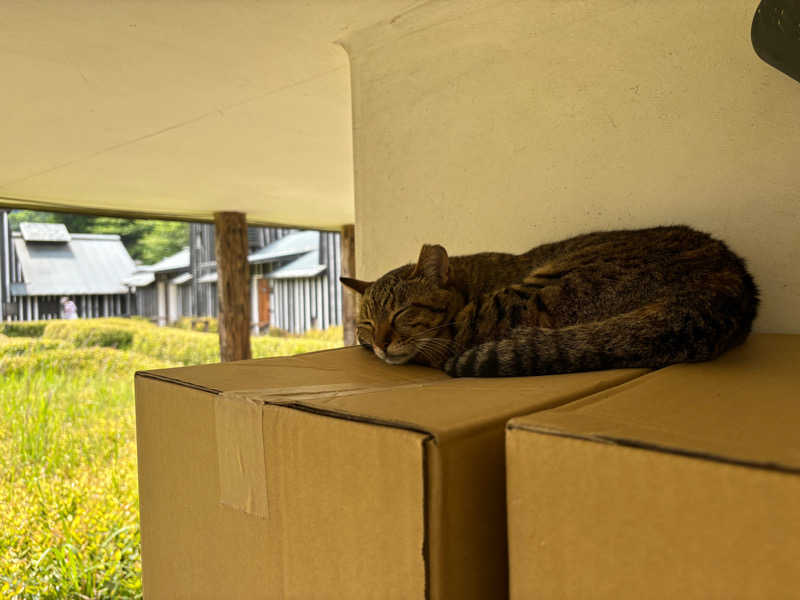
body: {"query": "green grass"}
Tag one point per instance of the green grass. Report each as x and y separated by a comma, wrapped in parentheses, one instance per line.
(68, 484)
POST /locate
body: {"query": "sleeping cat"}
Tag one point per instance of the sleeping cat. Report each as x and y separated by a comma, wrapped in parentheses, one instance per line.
(641, 298)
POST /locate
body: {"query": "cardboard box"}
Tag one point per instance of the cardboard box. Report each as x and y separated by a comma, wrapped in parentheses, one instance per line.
(684, 483)
(330, 475)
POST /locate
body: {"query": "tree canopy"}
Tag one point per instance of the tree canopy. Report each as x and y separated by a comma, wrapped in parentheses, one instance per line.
(146, 240)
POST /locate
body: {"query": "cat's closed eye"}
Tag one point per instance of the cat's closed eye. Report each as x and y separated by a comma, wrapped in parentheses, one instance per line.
(412, 322)
(409, 318)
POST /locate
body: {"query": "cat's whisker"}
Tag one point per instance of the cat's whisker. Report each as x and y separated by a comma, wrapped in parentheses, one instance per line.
(426, 354)
(435, 349)
(437, 342)
(429, 353)
(437, 327)
(430, 357)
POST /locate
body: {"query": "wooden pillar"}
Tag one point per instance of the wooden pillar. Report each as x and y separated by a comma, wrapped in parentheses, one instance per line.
(349, 298)
(230, 242)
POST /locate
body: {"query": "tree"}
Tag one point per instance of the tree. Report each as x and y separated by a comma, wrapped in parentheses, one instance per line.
(75, 223)
(163, 239)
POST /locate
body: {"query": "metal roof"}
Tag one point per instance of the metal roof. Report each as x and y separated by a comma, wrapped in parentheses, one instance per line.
(44, 232)
(139, 279)
(303, 246)
(288, 246)
(304, 267)
(87, 264)
(174, 262)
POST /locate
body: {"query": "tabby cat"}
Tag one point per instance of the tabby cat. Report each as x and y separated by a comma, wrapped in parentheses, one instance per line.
(640, 298)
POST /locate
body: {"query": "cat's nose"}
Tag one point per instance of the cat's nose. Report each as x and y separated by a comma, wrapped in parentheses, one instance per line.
(383, 338)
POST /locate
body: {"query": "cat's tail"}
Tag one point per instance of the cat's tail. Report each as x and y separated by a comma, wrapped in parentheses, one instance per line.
(654, 336)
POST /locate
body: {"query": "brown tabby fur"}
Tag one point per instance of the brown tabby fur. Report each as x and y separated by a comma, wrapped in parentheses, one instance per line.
(642, 298)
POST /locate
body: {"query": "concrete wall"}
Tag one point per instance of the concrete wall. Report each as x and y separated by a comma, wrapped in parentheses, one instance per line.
(501, 125)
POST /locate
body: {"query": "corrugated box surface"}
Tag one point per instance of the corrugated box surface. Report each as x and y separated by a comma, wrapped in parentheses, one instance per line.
(330, 475)
(684, 483)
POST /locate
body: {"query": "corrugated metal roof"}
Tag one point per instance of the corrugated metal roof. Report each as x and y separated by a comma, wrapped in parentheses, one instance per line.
(290, 245)
(175, 262)
(44, 232)
(87, 264)
(139, 279)
(304, 267)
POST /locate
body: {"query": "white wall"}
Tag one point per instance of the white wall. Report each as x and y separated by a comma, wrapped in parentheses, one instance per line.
(498, 126)
(161, 291)
(173, 313)
(254, 303)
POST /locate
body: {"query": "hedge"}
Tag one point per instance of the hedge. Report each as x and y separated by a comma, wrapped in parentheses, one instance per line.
(85, 333)
(177, 345)
(334, 334)
(19, 346)
(64, 360)
(23, 328)
(204, 324)
(185, 347)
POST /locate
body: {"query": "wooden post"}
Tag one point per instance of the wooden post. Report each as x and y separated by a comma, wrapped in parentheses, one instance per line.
(230, 242)
(349, 298)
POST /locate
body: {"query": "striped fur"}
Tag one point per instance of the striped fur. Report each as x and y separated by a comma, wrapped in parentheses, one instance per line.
(643, 298)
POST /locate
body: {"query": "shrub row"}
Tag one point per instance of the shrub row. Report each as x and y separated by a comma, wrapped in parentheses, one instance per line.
(23, 328)
(266, 346)
(16, 346)
(176, 345)
(85, 333)
(181, 346)
(109, 361)
(334, 334)
(194, 348)
(204, 324)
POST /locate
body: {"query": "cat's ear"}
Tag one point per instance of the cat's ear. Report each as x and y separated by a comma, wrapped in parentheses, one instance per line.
(433, 263)
(355, 284)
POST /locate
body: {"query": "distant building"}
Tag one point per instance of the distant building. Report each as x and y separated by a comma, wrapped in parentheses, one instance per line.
(160, 289)
(44, 262)
(294, 280)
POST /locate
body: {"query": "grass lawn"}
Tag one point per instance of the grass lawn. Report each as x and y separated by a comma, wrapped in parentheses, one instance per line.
(68, 489)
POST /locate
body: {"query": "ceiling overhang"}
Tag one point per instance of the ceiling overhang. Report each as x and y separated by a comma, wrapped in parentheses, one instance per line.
(181, 109)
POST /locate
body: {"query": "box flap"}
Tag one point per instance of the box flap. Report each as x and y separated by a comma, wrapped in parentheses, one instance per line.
(351, 367)
(742, 408)
(352, 383)
(441, 408)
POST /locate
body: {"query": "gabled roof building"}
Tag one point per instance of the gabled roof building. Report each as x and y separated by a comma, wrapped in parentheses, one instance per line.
(44, 262)
(294, 280)
(301, 272)
(294, 277)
